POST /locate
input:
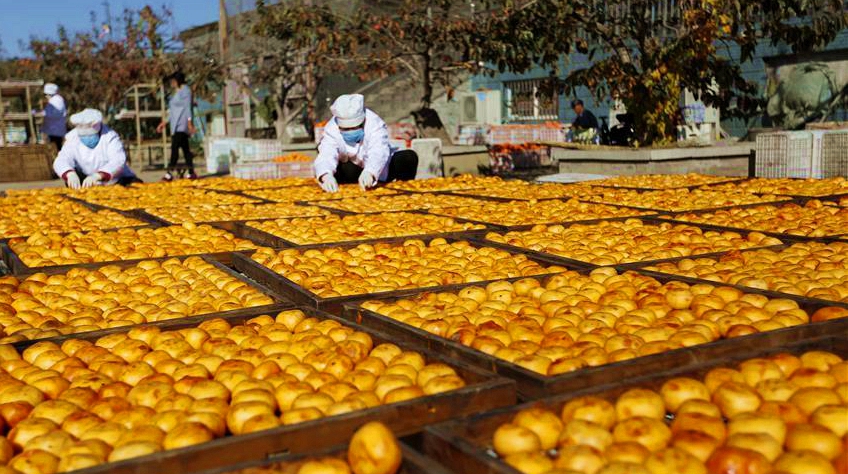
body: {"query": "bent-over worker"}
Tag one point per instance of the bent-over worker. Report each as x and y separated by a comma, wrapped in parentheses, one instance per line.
(92, 151)
(355, 147)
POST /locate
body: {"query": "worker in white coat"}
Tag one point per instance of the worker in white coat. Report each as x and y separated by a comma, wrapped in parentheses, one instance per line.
(355, 148)
(94, 153)
(55, 115)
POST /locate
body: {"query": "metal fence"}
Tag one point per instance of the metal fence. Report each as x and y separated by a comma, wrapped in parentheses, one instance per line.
(531, 99)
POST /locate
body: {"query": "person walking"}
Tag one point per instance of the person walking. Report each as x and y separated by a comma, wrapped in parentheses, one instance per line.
(55, 116)
(179, 118)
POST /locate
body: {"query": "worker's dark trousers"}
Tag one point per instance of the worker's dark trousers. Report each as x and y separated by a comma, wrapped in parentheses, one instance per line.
(180, 140)
(56, 141)
(402, 167)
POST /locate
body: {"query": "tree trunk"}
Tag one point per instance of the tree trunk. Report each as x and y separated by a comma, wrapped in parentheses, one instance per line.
(280, 123)
(427, 81)
(430, 125)
(282, 131)
(312, 84)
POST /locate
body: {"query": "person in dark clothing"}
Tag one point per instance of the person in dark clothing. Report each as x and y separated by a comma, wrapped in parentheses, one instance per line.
(585, 119)
(55, 114)
(179, 117)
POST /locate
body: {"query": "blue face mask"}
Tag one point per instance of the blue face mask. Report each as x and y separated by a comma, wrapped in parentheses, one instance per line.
(352, 137)
(90, 141)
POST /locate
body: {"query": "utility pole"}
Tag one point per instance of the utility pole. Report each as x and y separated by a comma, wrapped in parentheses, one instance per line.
(108, 8)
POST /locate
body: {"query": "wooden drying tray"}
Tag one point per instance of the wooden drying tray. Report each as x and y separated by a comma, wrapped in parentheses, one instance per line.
(464, 445)
(279, 304)
(533, 385)
(670, 218)
(567, 261)
(484, 391)
(289, 289)
(19, 268)
(261, 237)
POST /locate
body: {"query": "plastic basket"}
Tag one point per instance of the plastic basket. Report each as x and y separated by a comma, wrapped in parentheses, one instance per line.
(787, 155)
(271, 170)
(834, 154)
(516, 134)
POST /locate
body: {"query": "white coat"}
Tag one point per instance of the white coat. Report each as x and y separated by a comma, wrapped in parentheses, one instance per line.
(373, 153)
(107, 157)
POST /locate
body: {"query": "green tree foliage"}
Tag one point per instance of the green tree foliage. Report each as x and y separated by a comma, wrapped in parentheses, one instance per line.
(647, 59)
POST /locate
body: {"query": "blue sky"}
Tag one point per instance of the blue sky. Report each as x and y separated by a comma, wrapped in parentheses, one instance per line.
(21, 19)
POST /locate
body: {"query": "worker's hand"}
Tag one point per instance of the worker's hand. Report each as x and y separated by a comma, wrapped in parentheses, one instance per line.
(329, 183)
(93, 180)
(191, 129)
(160, 128)
(366, 180)
(72, 180)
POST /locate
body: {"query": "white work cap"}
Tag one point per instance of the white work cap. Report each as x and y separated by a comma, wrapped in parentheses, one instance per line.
(51, 89)
(349, 110)
(87, 122)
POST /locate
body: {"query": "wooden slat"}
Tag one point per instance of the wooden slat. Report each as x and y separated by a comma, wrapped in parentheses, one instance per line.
(414, 462)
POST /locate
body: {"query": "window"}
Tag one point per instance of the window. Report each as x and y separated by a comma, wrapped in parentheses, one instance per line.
(531, 99)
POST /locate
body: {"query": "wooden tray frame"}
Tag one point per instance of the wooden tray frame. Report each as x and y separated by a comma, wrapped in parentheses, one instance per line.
(462, 444)
(532, 385)
(19, 268)
(729, 179)
(780, 235)
(579, 263)
(413, 461)
(299, 295)
(243, 230)
(143, 214)
(280, 304)
(484, 391)
(509, 228)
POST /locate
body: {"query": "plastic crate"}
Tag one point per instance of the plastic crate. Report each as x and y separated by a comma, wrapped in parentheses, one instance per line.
(517, 134)
(787, 155)
(834, 154)
(548, 134)
(271, 170)
(265, 150)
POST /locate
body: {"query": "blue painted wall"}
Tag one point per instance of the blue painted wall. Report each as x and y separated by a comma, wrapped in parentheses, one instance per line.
(752, 70)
